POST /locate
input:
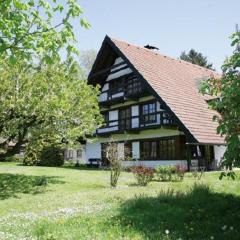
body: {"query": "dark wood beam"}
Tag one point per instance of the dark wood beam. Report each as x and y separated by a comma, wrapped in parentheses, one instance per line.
(106, 70)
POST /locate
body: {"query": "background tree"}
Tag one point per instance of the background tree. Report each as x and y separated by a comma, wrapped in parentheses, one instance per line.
(226, 91)
(42, 96)
(87, 58)
(196, 58)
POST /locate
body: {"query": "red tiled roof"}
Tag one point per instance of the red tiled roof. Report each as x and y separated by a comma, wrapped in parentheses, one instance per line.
(176, 82)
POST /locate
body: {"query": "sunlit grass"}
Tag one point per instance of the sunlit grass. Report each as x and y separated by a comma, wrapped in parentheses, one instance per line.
(68, 203)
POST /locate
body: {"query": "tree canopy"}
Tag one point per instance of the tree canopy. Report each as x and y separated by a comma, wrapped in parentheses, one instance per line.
(43, 97)
(196, 58)
(226, 91)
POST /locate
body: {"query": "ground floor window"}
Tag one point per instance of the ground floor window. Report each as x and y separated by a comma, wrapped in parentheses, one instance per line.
(127, 151)
(162, 149)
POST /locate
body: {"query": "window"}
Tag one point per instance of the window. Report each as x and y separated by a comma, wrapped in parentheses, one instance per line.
(160, 149)
(148, 150)
(133, 85)
(148, 112)
(127, 151)
(116, 86)
(124, 118)
(69, 154)
(79, 153)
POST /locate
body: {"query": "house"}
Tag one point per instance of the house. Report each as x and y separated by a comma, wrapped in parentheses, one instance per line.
(151, 105)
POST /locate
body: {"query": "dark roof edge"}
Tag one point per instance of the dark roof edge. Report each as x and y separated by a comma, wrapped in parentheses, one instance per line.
(99, 55)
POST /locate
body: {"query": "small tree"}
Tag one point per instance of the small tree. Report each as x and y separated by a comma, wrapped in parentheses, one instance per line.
(114, 161)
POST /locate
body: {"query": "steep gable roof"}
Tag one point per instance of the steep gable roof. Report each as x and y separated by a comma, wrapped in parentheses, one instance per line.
(175, 82)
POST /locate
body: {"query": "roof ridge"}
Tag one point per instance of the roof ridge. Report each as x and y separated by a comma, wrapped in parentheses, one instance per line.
(165, 56)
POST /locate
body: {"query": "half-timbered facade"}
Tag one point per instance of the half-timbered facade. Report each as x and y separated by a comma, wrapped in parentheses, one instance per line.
(151, 105)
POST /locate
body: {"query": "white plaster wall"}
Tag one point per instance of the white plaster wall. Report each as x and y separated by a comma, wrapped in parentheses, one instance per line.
(75, 158)
(136, 150)
(219, 152)
(113, 116)
(135, 110)
(158, 106)
(84, 159)
(120, 149)
(118, 60)
(103, 96)
(93, 150)
(116, 95)
(120, 73)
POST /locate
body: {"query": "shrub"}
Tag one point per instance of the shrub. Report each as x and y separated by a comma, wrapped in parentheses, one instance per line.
(51, 156)
(13, 159)
(31, 156)
(164, 173)
(180, 172)
(170, 173)
(143, 174)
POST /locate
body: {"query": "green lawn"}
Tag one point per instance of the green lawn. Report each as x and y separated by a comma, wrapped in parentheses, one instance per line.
(68, 203)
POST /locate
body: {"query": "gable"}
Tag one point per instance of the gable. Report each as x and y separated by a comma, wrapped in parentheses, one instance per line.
(173, 83)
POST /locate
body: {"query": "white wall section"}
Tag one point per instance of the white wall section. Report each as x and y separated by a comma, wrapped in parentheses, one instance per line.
(93, 150)
(136, 150)
(219, 152)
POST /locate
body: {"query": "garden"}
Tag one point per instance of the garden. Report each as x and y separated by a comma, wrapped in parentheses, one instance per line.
(78, 203)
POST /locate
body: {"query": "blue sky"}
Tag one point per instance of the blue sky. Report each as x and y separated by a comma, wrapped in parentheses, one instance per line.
(171, 25)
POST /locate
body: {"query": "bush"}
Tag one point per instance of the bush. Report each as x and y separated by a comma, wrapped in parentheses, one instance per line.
(170, 173)
(164, 173)
(51, 156)
(143, 175)
(13, 159)
(31, 156)
(180, 172)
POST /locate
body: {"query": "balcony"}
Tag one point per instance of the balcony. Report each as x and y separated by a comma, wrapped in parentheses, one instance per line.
(129, 87)
(136, 123)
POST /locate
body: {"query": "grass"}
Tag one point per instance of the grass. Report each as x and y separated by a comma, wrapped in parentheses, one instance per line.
(68, 203)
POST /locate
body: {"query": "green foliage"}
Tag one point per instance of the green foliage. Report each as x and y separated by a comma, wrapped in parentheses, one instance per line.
(226, 91)
(42, 96)
(29, 29)
(31, 155)
(111, 152)
(170, 173)
(229, 175)
(196, 58)
(14, 159)
(143, 175)
(11, 185)
(51, 156)
(87, 208)
(164, 173)
(49, 103)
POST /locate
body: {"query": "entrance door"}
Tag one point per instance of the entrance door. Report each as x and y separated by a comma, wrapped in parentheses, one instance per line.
(124, 119)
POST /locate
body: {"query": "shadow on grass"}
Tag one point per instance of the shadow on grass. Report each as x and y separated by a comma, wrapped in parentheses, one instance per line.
(13, 184)
(197, 214)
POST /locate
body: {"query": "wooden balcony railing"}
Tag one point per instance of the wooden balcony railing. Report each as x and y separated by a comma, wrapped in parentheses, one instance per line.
(137, 123)
(130, 87)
